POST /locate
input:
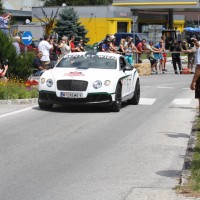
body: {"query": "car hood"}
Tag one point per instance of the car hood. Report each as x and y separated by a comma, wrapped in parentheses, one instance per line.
(82, 74)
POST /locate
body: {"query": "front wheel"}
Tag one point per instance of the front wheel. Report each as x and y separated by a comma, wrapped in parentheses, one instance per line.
(45, 106)
(118, 99)
(136, 97)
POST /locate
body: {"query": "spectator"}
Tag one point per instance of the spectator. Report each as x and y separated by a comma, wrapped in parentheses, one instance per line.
(129, 49)
(122, 46)
(53, 54)
(113, 48)
(164, 54)
(100, 44)
(4, 19)
(44, 46)
(37, 64)
(71, 44)
(80, 46)
(159, 56)
(16, 41)
(176, 57)
(3, 71)
(150, 55)
(190, 55)
(64, 46)
(106, 46)
(141, 47)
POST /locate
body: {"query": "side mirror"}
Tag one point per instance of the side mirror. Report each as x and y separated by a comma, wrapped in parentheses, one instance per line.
(127, 68)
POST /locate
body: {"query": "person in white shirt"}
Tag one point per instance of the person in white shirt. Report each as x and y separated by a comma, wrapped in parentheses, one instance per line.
(44, 46)
(16, 41)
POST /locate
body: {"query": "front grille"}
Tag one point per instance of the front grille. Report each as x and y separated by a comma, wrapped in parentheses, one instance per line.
(72, 85)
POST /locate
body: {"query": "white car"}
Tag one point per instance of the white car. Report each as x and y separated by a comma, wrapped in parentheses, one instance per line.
(90, 78)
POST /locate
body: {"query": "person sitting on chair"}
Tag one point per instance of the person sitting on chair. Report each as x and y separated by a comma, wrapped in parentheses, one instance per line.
(37, 64)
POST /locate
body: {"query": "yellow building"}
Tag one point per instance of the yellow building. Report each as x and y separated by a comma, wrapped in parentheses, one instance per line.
(98, 20)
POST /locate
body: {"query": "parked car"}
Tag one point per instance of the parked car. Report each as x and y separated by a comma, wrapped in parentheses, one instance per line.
(86, 78)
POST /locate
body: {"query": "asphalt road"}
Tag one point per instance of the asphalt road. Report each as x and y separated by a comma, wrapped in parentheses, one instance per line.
(88, 153)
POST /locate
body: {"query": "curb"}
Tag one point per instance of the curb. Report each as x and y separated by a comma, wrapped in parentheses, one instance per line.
(19, 101)
(188, 156)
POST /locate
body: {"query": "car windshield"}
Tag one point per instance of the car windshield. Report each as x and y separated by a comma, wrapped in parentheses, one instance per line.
(88, 61)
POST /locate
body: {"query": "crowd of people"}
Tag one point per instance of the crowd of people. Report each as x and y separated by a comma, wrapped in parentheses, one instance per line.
(50, 51)
(156, 54)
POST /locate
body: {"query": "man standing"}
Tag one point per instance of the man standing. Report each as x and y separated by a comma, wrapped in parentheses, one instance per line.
(64, 47)
(4, 22)
(195, 84)
(44, 46)
(176, 57)
(71, 44)
(16, 41)
(141, 47)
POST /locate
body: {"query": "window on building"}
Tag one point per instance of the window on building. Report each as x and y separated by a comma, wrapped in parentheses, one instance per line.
(122, 27)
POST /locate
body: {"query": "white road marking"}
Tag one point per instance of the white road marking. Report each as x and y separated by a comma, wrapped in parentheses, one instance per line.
(147, 101)
(185, 88)
(179, 102)
(17, 111)
(160, 87)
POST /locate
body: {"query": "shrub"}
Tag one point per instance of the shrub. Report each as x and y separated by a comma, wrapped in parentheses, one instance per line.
(22, 68)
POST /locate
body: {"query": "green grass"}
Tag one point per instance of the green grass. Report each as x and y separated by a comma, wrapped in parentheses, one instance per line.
(14, 89)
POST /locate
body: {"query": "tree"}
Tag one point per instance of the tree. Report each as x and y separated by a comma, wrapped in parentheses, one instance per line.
(8, 51)
(69, 24)
(49, 22)
(76, 2)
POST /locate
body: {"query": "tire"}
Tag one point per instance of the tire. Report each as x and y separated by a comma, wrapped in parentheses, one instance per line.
(136, 97)
(118, 99)
(45, 106)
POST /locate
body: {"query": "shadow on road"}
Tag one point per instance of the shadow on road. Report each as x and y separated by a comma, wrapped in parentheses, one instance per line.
(170, 173)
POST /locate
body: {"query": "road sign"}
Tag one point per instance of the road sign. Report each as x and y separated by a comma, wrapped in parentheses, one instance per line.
(27, 38)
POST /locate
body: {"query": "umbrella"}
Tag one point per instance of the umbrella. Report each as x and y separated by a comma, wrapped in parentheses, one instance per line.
(189, 29)
(196, 29)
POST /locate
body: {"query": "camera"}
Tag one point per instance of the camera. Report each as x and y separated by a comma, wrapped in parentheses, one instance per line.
(3, 63)
(193, 39)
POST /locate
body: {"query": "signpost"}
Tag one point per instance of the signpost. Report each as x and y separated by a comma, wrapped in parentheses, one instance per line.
(27, 39)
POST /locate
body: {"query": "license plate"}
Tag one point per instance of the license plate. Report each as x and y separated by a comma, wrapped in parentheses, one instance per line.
(71, 95)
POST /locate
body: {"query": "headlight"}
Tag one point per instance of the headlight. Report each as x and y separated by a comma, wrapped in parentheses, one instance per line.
(107, 83)
(49, 82)
(97, 84)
